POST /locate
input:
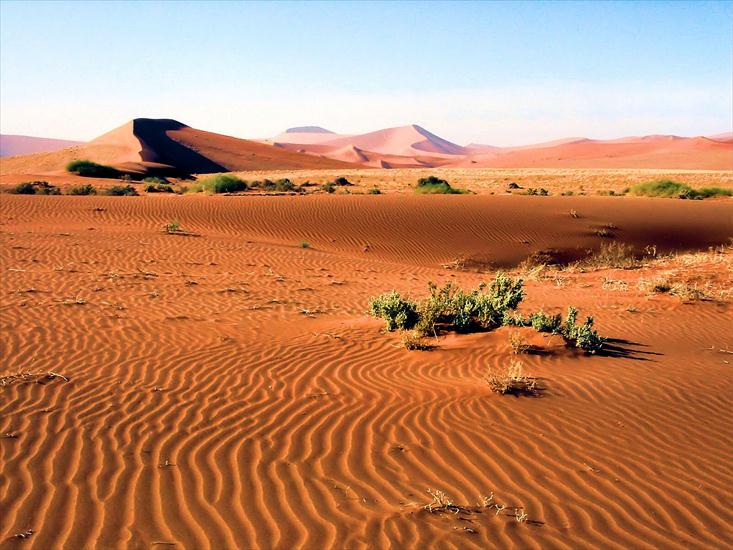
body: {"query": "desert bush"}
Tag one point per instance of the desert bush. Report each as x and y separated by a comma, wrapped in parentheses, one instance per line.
(284, 185)
(156, 180)
(673, 189)
(433, 185)
(172, 227)
(91, 169)
(159, 188)
(304, 244)
(222, 183)
(374, 191)
(513, 185)
(511, 380)
(36, 188)
(328, 187)
(517, 343)
(341, 181)
(581, 336)
(82, 190)
(542, 322)
(413, 341)
(612, 255)
(397, 312)
(121, 191)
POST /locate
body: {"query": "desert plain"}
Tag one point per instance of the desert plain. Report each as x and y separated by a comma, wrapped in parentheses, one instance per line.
(192, 370)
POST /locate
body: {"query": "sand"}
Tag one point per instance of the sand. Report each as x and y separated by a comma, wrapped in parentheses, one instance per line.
(11, 145)
(227, 390)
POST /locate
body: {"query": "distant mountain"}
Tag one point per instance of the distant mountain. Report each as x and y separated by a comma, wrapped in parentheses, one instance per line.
(11, 145)
(167, 146)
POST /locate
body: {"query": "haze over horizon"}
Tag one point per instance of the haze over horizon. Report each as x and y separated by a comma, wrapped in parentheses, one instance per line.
(498, 73)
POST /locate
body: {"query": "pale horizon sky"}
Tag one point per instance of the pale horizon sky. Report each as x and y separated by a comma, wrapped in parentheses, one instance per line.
(500, 73)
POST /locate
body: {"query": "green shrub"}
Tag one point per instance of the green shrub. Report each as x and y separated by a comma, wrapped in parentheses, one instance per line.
(284, 185)
(328, 187)
(36, 188)
(159, 188)
(120, 191)
(673, 189)
(341, 181)
(82, 190)
(156, 180)
(91, 169)
(221, 183)
(374, 191)
(542, 322)
(435, 186)
(581, 336)
(398, 313)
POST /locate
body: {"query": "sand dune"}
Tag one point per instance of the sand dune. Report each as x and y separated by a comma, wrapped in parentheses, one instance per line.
(227, 390)
(167, 146)
(307, 135)
(12, 145)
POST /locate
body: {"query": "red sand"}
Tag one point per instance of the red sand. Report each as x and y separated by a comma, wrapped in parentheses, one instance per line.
(227, 390)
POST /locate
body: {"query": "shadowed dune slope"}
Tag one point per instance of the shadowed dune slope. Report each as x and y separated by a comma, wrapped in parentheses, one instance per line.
(228, 391)
(163, 145)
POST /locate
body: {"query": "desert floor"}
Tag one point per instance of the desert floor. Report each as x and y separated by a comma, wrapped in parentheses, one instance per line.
(226, 389)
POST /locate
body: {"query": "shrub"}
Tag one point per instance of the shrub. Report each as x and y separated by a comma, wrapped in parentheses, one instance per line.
(172, 227)
(673, 189)
(518, 343)
(305, 244)
(91, 169)
(285, 185)
(581, 336)
(328, 187)
(374, 191)
(436, 186)
(513, 185)
(121, 191)
(159, 188)
(414, 341)
(341, 181)
(397, 313)
(156, 180)
(82, 190)
(222, 183)
(36, 188)
(542, 322)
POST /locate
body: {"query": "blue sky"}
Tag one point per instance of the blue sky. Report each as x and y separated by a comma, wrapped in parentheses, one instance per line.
(489, 72)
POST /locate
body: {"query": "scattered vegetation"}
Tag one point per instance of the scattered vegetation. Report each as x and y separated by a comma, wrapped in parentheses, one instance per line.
(511, 380)
(541, 192)
(82, 190)
(483, 308)
(159, 188)
(156, 180)
(433, 185)
(89, 169)
(36, 188)
(304, 244)
(374, 191)
(341, 181)
(414, 341)
(329, 187)
(672, 189)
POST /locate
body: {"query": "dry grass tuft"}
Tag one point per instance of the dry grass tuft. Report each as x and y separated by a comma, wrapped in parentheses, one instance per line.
(518, 343)
(413, 341)
(511, 380)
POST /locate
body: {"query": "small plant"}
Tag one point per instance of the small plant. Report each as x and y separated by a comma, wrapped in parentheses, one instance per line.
(581, 336)
(542, 322)
(82, 190)
(397, 312)
(341, 181)
(574, 213)
(121, 191)
(441, 503)
(156, 180)
(36, 188)
(513, 185)
(304, 244)
(328, 187)
(511, 380)
(172, 227)
(159, 188)
(673, 189)
(89, 169)
(517, 343)
(374, 191)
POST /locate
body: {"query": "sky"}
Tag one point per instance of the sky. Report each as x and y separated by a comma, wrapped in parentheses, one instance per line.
(499, 73)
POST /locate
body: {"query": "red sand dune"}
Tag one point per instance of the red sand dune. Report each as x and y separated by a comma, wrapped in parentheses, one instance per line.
(152, 145)
(12, 145)
(228, 390)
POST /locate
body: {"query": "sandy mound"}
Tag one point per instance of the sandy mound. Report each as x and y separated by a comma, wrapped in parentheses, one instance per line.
(150, 145)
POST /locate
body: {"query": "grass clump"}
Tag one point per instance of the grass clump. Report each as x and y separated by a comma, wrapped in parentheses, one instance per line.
(220, 183)
(374, 191)
(329, 187)
(82, 190)
(36, 188)
(89, 169)
(121, 191)
(304, 244)
(543, 322)
(156, 180)
(172, 227)
(413, 341)
(673, 189)
(511, 380)
(397, 312)
(159, 188)
(433, 185)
